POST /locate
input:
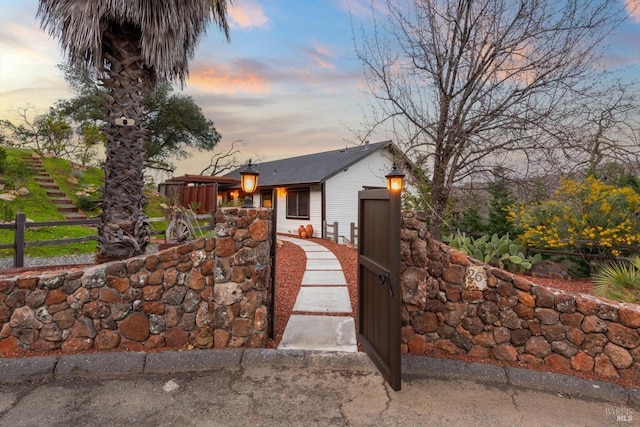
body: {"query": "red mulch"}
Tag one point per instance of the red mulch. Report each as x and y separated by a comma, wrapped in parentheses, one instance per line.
(583, 286)
(290, 265)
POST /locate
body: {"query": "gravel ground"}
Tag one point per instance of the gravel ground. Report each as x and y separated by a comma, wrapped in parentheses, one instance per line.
(6, 263)
(57, 260)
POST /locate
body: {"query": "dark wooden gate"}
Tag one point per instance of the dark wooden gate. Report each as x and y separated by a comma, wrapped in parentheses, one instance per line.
(379, 292)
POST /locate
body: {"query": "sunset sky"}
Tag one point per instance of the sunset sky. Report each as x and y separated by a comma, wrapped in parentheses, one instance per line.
(287, 84)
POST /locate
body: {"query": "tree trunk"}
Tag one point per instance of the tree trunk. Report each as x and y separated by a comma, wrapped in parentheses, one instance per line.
(437, 212)
(439, 198)
(123, 231)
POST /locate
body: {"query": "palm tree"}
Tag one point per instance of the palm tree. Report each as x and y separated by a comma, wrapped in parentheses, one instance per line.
(131, 44)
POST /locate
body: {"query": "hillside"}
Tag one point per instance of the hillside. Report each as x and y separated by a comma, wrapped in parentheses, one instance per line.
(52, 189)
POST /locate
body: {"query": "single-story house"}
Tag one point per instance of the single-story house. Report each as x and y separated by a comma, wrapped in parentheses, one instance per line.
(323, 186)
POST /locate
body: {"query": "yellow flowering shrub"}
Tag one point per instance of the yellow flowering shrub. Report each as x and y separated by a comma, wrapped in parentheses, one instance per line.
(588, 215)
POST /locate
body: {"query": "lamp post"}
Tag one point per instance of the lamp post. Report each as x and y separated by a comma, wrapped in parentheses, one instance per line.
(395, 179)
(249, 183)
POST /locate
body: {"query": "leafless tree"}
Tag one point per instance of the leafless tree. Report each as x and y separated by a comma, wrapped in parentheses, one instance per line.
(27, 134)
(606, 130)
(470, 84)
(51, 132)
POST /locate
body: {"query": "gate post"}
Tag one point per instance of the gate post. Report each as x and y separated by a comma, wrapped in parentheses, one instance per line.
(18, 239)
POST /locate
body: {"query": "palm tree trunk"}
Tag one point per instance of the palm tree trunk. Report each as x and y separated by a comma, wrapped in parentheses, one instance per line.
(123, 231)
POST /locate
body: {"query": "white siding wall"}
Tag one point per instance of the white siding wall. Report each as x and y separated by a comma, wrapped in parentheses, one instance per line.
(342, 189)
(290, 226)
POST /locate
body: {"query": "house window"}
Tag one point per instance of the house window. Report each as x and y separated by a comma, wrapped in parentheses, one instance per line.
(265, 199)
(298, 203)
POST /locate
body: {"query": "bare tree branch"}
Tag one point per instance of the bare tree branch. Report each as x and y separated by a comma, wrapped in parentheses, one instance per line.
(223, 161)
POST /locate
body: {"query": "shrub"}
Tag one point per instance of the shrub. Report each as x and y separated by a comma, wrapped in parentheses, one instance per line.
(85, 203)
(501, 252)
(471, 221)
(499, 221)
(619, 281)
(3, 160)
(18, 173)
(7, 211)
(589, 216)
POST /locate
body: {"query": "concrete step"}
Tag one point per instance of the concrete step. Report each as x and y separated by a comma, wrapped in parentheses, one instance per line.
(74, 215)
(319, 278)
(60, 201)
(323, 299)
(66, 208)
(330, 333)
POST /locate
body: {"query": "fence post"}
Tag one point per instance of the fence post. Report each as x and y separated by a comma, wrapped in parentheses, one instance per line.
(335, 231)
(18, 240)
(212, 219)
(353, 235)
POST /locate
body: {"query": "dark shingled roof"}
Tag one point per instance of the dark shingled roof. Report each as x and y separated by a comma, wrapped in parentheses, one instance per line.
(311, 168)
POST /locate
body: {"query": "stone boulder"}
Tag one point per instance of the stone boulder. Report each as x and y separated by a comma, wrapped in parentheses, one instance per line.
(549, 269)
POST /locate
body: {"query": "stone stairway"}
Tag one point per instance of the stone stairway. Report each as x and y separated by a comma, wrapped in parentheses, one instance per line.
(59, 199)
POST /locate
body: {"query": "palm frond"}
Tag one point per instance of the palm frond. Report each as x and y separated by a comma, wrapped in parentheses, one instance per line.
(619, 281)
(169, 29)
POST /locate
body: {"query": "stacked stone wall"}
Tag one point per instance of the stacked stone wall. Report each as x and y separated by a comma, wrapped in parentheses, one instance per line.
(455, 305)
(211, 292)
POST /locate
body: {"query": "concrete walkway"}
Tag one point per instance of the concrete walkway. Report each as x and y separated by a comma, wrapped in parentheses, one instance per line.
(321, 318)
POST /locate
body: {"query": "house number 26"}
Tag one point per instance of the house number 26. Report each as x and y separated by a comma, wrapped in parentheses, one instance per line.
(475, 278)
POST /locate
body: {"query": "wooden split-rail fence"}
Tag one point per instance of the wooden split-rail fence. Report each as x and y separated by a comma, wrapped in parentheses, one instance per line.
(20, 226)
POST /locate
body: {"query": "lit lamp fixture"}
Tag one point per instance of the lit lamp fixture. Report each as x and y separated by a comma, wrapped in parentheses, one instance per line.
(249, 183)
(395, 179)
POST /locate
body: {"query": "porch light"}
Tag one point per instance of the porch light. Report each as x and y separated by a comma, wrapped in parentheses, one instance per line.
(249, 183)
(395, 179)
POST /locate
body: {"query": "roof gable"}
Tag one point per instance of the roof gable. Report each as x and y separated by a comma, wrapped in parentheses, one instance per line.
(311, 168)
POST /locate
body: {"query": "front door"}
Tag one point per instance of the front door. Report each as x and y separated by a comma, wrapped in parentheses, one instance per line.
(379, 292)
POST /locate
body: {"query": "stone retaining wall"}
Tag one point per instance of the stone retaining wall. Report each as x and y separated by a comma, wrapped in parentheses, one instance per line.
(211, 292)
(455, 305)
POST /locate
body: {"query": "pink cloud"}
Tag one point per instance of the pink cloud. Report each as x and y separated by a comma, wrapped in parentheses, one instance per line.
(248, 14)
(226, 81)
(321, 55)
(633, 8)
